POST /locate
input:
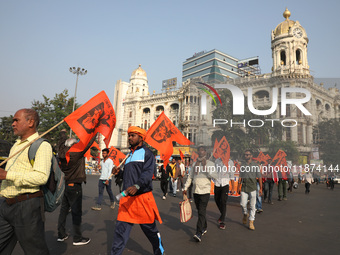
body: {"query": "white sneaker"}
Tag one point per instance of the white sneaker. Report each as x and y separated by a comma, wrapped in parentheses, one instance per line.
(164, 197)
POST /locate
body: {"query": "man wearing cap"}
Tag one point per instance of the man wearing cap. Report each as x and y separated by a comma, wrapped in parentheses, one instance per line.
(139, 206)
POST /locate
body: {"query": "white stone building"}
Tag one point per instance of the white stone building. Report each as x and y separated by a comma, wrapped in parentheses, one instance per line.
(134, 105)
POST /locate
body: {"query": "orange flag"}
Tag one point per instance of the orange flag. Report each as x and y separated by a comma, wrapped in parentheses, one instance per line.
(116, 155)
(161, 135)
(215, 153)
(222, 150)
(262, 158)
(194, 156)
(88, 153)
(96, 115)
(181, 154)
(280, 160)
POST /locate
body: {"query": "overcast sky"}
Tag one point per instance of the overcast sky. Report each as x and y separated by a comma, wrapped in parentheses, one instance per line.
(41, 39)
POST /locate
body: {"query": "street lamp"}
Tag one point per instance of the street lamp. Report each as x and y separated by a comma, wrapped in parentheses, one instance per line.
(76, 71)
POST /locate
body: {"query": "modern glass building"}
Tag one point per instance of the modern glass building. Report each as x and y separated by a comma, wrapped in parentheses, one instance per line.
(215, 66)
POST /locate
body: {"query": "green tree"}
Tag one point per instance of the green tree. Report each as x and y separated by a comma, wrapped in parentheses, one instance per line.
(327, 135)
(289, 147)
(238, 136)
(51, 112)
(6, 132)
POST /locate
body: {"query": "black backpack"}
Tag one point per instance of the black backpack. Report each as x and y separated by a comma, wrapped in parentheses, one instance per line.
(54, 188)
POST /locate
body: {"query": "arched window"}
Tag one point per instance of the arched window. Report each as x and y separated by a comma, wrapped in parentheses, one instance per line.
(318, 104)
(160, 108)
(298, 57)
(283, 58)
(262, 94)
(146, 110)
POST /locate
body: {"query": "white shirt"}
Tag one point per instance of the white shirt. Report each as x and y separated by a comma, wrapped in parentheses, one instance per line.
(224, 173)
(107, 166)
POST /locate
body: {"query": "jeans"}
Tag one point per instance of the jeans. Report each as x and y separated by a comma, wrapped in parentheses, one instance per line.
(268, 190)
(221, 197)
(101, 186)
(174, 186)
(307, 185)
(170, 186)
(258, 198)
(201, 202)
(252, 202)
(73, 198)
(23, 222)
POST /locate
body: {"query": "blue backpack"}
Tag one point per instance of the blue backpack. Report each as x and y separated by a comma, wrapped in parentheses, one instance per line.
(54, 188)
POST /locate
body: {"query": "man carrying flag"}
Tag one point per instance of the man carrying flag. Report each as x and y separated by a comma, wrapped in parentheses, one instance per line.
(139, 206)
(75, 175)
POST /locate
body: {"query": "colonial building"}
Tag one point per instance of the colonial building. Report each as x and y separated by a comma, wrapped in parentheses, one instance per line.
(134, 104)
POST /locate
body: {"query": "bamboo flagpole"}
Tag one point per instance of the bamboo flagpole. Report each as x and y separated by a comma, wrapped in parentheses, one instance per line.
(29, 144)
(121, 163)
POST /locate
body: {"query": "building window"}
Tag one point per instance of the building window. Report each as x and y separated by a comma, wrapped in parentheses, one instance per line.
(300, 134)
(298, 57)
(130, 114)
(287, 110)
(288, 134)
(283, 58)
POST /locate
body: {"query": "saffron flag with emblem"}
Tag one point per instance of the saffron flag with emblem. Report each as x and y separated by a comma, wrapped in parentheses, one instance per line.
(88, 154)
(262, 158)
(161, 135)
(222, 150)
(116, 155)
(96, 115)
(279, 161)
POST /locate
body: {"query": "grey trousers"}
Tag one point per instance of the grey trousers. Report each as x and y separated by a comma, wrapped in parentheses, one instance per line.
(23, 222)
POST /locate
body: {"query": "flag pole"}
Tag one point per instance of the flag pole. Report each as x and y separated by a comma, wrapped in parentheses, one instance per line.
(29, 144)
(121, 163)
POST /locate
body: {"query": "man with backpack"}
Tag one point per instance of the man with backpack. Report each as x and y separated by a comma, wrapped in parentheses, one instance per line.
(21, 213)
(75, 175)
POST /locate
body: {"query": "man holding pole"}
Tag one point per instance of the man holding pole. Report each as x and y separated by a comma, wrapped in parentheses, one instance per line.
(75, 175)
(139, 206)
(22, 213)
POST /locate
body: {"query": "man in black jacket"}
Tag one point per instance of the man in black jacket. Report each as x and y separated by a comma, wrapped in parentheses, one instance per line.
(75, 175)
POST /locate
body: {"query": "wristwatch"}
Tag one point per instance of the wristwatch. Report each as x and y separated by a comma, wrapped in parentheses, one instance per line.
(137, 186)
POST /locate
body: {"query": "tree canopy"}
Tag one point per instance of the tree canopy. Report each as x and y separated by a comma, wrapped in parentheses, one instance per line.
(328, 140)
(51, 112)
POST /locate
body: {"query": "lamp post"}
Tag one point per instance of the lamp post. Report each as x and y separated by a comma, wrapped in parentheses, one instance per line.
(76, 71)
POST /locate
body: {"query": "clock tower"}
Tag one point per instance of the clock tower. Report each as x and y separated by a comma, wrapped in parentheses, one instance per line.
(289, 48)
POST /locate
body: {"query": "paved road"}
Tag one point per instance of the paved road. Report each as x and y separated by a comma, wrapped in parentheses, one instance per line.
(308, 224)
